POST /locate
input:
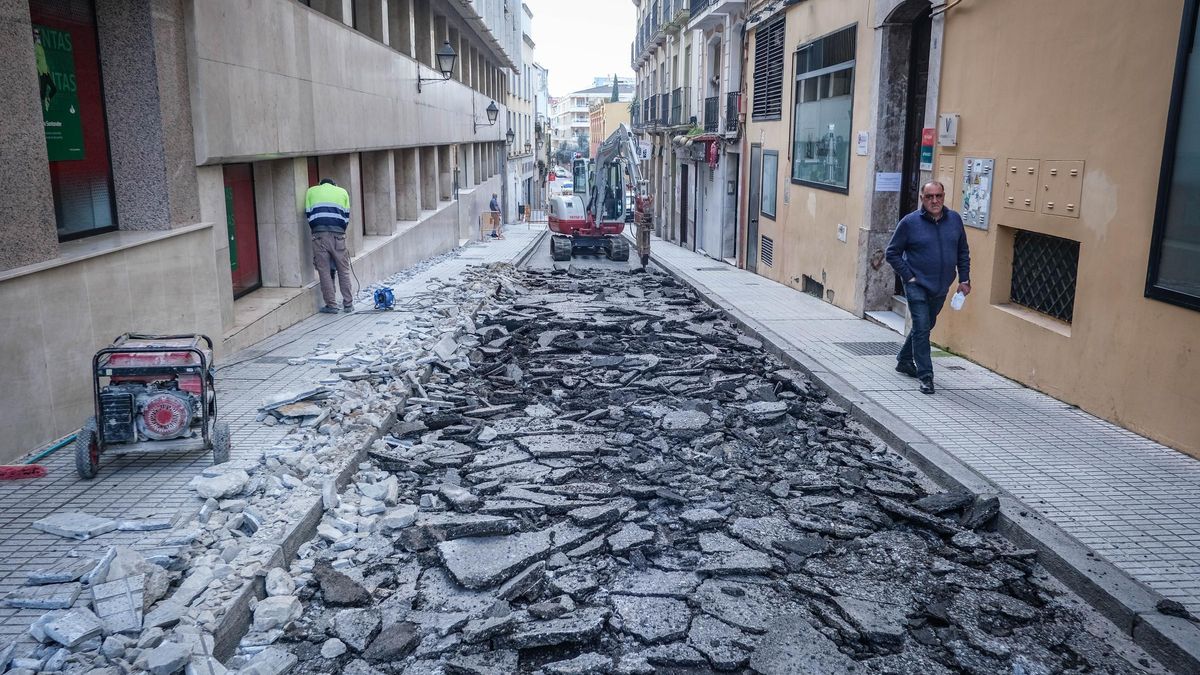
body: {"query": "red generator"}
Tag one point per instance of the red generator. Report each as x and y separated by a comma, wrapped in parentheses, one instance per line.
(152, 393)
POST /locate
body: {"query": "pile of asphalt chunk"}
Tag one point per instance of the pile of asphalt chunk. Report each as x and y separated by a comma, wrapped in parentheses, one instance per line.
(620, 481)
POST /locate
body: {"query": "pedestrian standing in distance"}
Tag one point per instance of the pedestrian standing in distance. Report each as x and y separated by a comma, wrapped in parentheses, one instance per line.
(327, 207)
(927, 248)
(494, 207)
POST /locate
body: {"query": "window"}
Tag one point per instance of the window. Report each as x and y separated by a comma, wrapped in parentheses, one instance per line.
(72, 102)
(821, 122)
(770, 182)
(1174, 271)
(1044, 271)
(768, 71)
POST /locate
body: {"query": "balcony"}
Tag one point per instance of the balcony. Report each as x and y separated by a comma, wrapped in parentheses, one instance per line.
(652, 111)
(708, 13)
(679, 99)
(733, 107)
(712, 114)
(664, 110)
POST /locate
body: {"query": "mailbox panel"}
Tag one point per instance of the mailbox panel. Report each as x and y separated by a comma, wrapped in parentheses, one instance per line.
(1062, 187)
(1021, 184)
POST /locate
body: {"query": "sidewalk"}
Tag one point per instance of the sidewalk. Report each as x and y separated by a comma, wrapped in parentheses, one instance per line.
(140, 485)
(1131, 500)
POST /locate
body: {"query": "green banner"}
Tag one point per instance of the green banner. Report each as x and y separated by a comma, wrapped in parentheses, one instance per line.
(60, 96)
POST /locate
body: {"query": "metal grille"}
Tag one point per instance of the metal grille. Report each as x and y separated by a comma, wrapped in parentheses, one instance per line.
(871, 348)
(712, 113)
(767, 251)
(812, 286)
(733, 102)
(768, 71)
(1044, 273)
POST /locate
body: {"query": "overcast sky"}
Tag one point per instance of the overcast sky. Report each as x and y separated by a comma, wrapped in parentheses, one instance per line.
(581, 39)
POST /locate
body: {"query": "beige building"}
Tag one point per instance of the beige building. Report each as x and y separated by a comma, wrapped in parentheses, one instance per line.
(1073, 162)
(157, 153)
(605, 117)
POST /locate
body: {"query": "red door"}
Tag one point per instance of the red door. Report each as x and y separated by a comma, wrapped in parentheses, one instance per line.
(243, 228)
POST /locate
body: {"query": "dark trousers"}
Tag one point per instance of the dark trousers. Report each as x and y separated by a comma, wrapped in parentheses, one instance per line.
(923, 307)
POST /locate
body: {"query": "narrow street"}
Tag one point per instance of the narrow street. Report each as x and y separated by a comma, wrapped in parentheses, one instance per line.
(618, 481)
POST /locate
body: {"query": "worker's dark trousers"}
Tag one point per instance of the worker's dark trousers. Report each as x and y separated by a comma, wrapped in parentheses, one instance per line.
(329, 248)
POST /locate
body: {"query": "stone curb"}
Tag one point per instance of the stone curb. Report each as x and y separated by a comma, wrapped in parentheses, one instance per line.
(1126, 602)
(236, 617)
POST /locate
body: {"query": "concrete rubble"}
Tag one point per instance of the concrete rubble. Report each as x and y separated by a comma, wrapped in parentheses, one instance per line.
(567, 472)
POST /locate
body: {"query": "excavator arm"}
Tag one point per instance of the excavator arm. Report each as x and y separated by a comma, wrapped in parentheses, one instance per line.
(616, 167)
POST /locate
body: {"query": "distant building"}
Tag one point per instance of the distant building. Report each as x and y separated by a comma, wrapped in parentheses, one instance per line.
(570, 115)
(605, 118)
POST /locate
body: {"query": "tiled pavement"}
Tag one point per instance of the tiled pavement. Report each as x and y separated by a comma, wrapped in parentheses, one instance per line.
(142, 485)
(1133, 501)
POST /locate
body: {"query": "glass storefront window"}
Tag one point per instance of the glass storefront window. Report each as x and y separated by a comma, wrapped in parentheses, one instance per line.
(1174, 273)
(68, 62)
(821, 120)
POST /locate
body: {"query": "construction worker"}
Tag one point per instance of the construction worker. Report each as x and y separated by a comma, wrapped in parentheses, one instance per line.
(327, 207)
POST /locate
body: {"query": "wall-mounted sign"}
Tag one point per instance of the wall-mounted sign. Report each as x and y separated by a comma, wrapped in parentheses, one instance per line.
(928, 136)
(977, 191)
(948, 130)
(887, 181)
(55, 56)
(864, 139)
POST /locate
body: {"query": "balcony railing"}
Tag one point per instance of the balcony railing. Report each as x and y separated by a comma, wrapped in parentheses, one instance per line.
(712, 114)
(698, 6)
(664, 110)
(733, 103)
(677, 101)
(652, 111)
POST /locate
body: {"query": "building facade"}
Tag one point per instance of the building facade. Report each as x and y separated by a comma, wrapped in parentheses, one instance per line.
(570, 115)
(160, 150)
(688, 58)
(1084, 252)
(604, 118)
(522, 162)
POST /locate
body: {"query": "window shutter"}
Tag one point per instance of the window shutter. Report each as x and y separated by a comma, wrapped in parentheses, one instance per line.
(768, 72)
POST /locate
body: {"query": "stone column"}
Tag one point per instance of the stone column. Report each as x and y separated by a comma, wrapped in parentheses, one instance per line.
(423, 30)
(284, 243)
(25, 171)
(429, 178)
(466, 155)
(400, 26)
(445, 173)
(379, 193)
(345, 171)
(408, 184)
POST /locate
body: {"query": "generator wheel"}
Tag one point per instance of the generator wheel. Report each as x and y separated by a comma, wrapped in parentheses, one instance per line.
(221, 443)
(560, 248)
(87, 450)
(618, 249)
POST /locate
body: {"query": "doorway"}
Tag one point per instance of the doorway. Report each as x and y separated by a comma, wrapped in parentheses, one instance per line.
(243, 228)
(914, 120)
(685, 186)
(753, 202)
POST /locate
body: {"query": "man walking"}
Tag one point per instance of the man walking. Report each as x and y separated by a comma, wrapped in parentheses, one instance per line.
(494, 207)
(328, 209)
(927, 247)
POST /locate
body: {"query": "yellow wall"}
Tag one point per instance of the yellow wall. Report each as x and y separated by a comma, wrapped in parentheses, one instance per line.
(805, 227)
(1082, 80)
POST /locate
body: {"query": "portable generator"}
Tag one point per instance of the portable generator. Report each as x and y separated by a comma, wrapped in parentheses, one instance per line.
(152, 393)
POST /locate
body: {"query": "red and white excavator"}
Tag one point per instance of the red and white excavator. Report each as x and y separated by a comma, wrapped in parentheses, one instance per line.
(608, 192)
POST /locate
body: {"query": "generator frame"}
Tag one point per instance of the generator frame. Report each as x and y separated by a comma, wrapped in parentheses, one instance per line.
(90, 443)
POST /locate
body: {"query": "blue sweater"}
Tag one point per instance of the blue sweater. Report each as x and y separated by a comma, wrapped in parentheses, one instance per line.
(930, 251)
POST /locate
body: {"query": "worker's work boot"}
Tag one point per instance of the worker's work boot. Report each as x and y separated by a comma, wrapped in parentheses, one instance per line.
(348, 308)
(328, 310)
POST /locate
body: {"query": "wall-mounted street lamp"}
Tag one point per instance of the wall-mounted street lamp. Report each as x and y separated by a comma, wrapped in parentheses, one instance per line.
(509, 137)
(492, 112)
(528, 147)
(445, 58)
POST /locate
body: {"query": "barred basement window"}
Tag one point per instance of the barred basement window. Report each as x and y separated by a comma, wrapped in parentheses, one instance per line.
(767, 251)
(811, 286)
(768, 71)
(1044, 273)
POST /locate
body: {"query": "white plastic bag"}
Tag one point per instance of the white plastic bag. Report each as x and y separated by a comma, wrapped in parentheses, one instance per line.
(956, 303)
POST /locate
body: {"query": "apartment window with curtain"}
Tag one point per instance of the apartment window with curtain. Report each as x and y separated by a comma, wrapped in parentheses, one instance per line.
(823, 109)
(1174, 271)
